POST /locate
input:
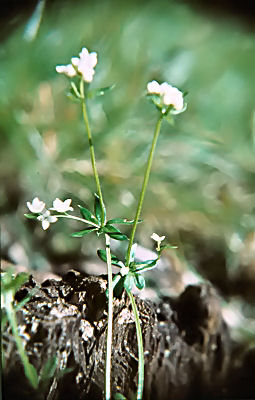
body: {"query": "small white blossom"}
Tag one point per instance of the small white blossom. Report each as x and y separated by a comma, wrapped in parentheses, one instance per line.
(157, 239)
(83, 65)
(62, 206)
(68, 70)
(47, 219)
(170, 95)
(37, 206)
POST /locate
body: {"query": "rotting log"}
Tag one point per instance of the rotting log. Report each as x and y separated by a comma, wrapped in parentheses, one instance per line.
(186, 342)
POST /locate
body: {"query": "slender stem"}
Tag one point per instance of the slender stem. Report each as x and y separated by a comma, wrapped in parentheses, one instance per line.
(108, 251)
(109, 322)
(140, 347)
(91, 147)
(77, 219)
(145, 183)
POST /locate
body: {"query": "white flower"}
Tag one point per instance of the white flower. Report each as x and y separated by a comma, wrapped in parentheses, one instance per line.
(37, 206)
(170, 95)
(68, 70)
(85, 64)
(62, 206)
(173, 96)
(47, 219)
(157, 239)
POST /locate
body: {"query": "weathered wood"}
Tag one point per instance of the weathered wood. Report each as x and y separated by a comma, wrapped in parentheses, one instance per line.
(185, 341)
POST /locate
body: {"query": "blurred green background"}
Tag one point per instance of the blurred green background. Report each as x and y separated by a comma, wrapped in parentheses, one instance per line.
(202, 188)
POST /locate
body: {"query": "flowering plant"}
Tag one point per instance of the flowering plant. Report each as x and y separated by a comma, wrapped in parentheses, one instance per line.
(168, 101)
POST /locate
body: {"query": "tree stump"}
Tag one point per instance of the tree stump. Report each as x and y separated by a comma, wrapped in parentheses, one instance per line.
(186, 342)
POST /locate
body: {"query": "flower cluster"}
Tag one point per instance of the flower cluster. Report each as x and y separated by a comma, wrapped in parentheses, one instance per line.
(83, 65)
(169, 95)
(38, 207)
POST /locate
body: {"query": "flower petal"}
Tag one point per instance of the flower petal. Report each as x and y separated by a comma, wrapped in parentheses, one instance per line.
(37, 206)
(45, 224)
(153, 87)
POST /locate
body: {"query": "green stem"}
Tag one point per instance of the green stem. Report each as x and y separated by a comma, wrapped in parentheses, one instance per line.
(91, 147)
(145, 183)
(108, 252)
(109, 322)
(140, 347)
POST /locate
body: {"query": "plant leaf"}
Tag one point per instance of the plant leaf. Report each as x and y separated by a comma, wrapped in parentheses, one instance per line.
(14, 283)
(49, 368)
(123, 221)
(75, 90)
(31, 374)
(86, 214)
(139, 281)
(129, 281)
(118, 236)
(144, 266)
(71, 96)
(83, 232)
(168, 117)
(167, 246)
(99, 92)
(118, 285)
(114, 233)
(115, 261)
(132, 252)
(31, 216)
(99, 211)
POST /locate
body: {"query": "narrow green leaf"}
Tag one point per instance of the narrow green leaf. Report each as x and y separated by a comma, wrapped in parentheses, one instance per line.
(129, 281)
(83, 233)
(99, 212)
(114, 233)
(123, 221)
(169, 118)
(139, 281)
(167, 246)
(31, 216)
(110, 229)
(49, 368)
(86, 214)
(71, 96)
(155, 98)
(99, 92)
(145, 266)
(115, 261)
(31, 374)
(102, 254)
(132, 252)
(118, 285)
(75, 90)
(14, 283)
(118, 236)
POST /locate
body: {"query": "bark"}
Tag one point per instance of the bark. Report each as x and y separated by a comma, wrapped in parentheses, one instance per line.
(186, 342)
